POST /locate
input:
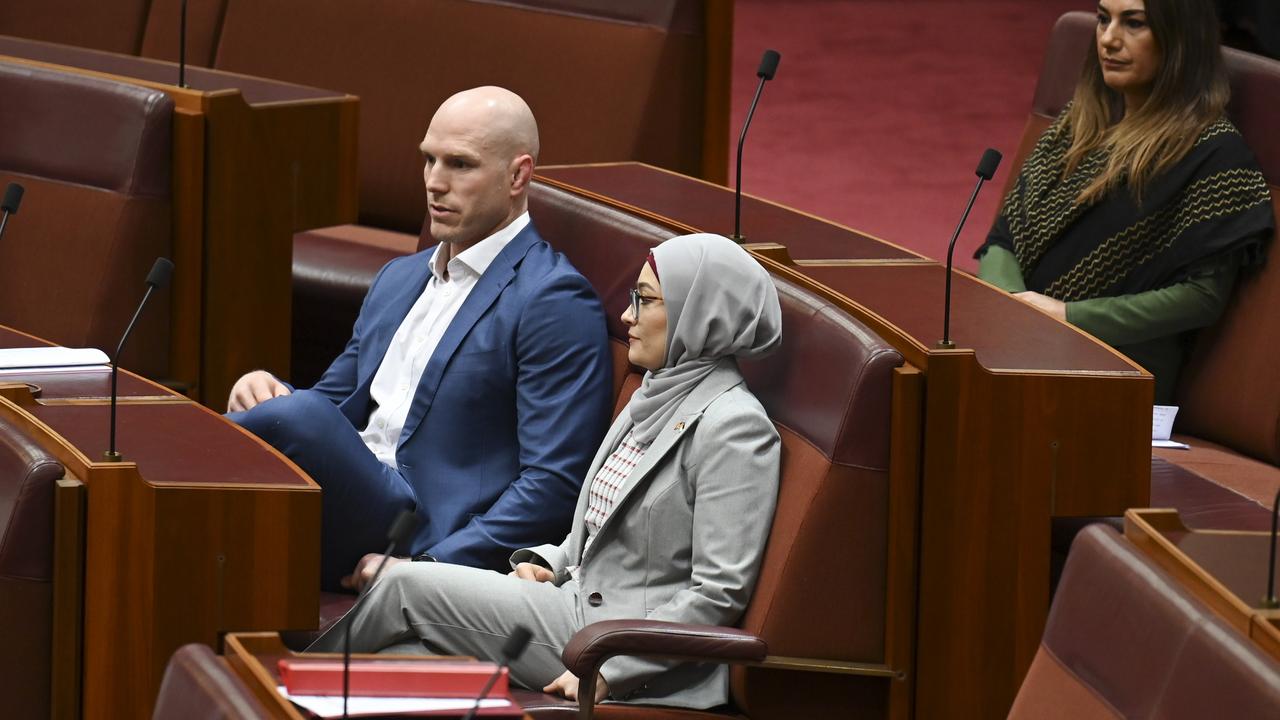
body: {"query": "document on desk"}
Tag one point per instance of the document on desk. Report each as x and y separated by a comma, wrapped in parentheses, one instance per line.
(1162, 427)
(330, 706)
(15, 361)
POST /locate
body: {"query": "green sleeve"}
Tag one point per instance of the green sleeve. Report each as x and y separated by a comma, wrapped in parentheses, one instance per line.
(1127, 319)
(999, 267)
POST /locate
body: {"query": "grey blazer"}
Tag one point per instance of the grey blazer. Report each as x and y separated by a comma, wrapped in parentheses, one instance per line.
(684, 541)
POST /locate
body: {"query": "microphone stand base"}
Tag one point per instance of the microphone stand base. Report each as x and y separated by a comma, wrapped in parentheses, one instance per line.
(1270, 603)
(945, 345)
(112, 456)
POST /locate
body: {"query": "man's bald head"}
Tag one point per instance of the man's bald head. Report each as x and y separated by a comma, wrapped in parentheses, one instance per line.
(479, 154)
(501, 116)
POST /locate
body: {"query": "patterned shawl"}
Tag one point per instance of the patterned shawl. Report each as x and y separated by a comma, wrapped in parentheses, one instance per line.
(1215, 200)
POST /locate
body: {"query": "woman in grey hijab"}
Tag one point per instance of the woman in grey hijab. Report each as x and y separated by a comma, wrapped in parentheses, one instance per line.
(672, 519)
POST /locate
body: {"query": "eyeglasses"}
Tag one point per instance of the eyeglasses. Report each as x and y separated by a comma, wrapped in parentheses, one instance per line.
(637, 300)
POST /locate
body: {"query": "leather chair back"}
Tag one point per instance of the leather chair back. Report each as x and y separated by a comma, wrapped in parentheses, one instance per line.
(608, 247)
(28, 476)
(1124, 639)
(1244, 343)
(115, 26)
(827, 389)
(823, 582)
(199, 685)
(94, 156)
(1215, 405)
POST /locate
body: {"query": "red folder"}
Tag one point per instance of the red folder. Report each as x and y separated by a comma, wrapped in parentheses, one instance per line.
(392, 678)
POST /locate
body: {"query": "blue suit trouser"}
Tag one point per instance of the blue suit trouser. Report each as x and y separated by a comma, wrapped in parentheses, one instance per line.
(360, 495)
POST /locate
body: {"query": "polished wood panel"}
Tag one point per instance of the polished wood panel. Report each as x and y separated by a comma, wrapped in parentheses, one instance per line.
(254, 657)
(1004, 454)
(1226, 569)
(202, 530)
(1004, 332)
(718, 92)
(254, 161)
(707, 207)
(902, 570)
(186, 293)
(1026, 420)
(68, 597)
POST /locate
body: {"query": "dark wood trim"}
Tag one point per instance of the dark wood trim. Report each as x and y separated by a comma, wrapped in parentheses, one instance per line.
(717, 90)
(69, 502)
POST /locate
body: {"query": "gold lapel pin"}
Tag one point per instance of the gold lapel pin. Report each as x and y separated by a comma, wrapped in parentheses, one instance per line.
(679, 426)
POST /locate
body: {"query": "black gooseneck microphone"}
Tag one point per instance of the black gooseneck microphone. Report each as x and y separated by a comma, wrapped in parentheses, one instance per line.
(397, 535)
(182, 47)
(157, 278)
(511, 651)
(986, 168)
(12, 199)
(1269, 600)
(768, 66)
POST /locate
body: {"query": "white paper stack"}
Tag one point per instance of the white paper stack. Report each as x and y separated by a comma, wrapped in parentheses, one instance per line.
(1162, 427)
(15, 361)
(330, 706)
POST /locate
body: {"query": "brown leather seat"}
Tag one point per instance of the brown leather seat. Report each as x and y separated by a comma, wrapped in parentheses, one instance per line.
(1233, 425)
(1124, 639)
(199, 685)
(27, 478)
(332, 270)
(94, 156)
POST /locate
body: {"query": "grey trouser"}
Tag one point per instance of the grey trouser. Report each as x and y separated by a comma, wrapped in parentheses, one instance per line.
(456, 610)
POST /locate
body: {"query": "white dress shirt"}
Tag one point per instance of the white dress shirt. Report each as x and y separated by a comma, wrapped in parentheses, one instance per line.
(396, 381)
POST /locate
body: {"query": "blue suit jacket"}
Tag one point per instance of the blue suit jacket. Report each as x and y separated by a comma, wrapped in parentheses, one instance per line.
(509, 410)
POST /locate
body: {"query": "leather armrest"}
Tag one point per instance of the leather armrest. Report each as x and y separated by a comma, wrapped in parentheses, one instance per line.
(591, 646)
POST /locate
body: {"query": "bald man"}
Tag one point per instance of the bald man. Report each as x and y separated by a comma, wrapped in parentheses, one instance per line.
(477, 381)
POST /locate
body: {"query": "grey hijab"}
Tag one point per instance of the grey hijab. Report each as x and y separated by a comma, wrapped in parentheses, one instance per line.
(720, 305)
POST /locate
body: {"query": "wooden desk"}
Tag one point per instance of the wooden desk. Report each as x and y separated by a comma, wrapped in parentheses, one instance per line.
(255, 657)
(201, 530)
(1226, 569)
(1025, 420)
(254, 161)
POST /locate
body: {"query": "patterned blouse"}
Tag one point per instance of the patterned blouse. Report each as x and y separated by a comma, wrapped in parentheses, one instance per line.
(606, 487)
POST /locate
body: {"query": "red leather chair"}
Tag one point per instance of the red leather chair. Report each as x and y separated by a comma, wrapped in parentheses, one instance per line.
(199, 685)
(27, 478)
(94, 156)
(1124, 639)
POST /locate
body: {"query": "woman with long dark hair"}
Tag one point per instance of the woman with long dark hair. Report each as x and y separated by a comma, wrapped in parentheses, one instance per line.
(1139, 205)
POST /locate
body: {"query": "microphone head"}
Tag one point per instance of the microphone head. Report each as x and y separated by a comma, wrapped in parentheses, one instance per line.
(988, 164)
(12, 199)
(768, 64)
(160, 273)
(402, 527)
(514, 647)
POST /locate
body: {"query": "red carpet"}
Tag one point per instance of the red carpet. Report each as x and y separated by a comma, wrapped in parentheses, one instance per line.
(881, 108)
